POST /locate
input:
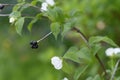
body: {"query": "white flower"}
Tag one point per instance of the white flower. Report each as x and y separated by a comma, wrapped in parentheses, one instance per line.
(56, 62)
(109, 51)
(112, 51)
(50, 2)
(12, 19)
(65, 78)
(44, 6)
(117, 50)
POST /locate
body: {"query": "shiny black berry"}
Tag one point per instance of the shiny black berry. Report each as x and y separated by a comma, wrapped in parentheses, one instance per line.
(34, 47)
(34, 44)
(1, 6)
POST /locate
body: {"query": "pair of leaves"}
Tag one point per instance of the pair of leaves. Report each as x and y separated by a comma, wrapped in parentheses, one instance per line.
(97, 39)
(56, 27)
(94, 42)
(79, 56)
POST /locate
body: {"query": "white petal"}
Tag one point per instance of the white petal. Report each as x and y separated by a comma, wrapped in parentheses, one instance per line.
(117, 50)
(44, 6)
(58, 66)
(109, 51)
(50, 2)
(65, 78)
(56, 62)
(12, 19)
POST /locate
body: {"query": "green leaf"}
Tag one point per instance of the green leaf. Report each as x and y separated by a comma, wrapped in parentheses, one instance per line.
(74, 13)
(15, 14)
(59, 14)
(24, 7)
(66, 28)
(18, 6)
(34, 2)
(55, 28)
(38, 16)
(19, 25)
(79, 72)
(95, 48)
(67, 68)
(72, 54)
(52, 14)
(84, 55)
(79, 56)
(98, 39)
(89, 78)
(97, 77)
(31, 24)
(55, 14)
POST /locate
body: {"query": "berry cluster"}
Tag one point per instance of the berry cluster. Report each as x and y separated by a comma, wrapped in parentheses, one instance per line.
(1, 6)
(34, 44)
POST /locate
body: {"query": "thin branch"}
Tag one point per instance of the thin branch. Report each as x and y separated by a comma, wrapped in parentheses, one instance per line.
(44, 37)
(97, 57)
(4, 15)
(20, 4)
(115, 69)
(82, 36)
(7, 4)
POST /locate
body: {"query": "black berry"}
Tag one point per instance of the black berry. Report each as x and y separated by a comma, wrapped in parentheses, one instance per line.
(1, 6)
(34, 44)
(34, 47)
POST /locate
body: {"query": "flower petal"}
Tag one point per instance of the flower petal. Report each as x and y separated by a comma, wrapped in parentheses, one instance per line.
(109, 51)
(56, 62)
(50, 2)
(44, 7)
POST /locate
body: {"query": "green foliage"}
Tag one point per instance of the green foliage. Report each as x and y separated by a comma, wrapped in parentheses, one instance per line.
(97, 77)
(95, 17)
(34, 20)
(55, 14)
(98, 39)
(55, 28)
(80, 56)
(19, 25)
(95, 48)
(79, 72)
(15, 14)
(72, 54)
(66, 28)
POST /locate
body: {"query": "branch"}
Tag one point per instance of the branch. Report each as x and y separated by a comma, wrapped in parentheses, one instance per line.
(44, 37)
(4, 15)
(20, 4)
(97, 57)
(115, 69)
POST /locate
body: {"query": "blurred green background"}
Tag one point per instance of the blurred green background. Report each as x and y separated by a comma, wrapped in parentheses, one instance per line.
(19, 62)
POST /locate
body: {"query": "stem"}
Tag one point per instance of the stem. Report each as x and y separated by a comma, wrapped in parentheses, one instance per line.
(82, 36)
(7, 4)
(115, 69)
(4, 15)
(20, 4)
(96, 55)
(44, 37)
